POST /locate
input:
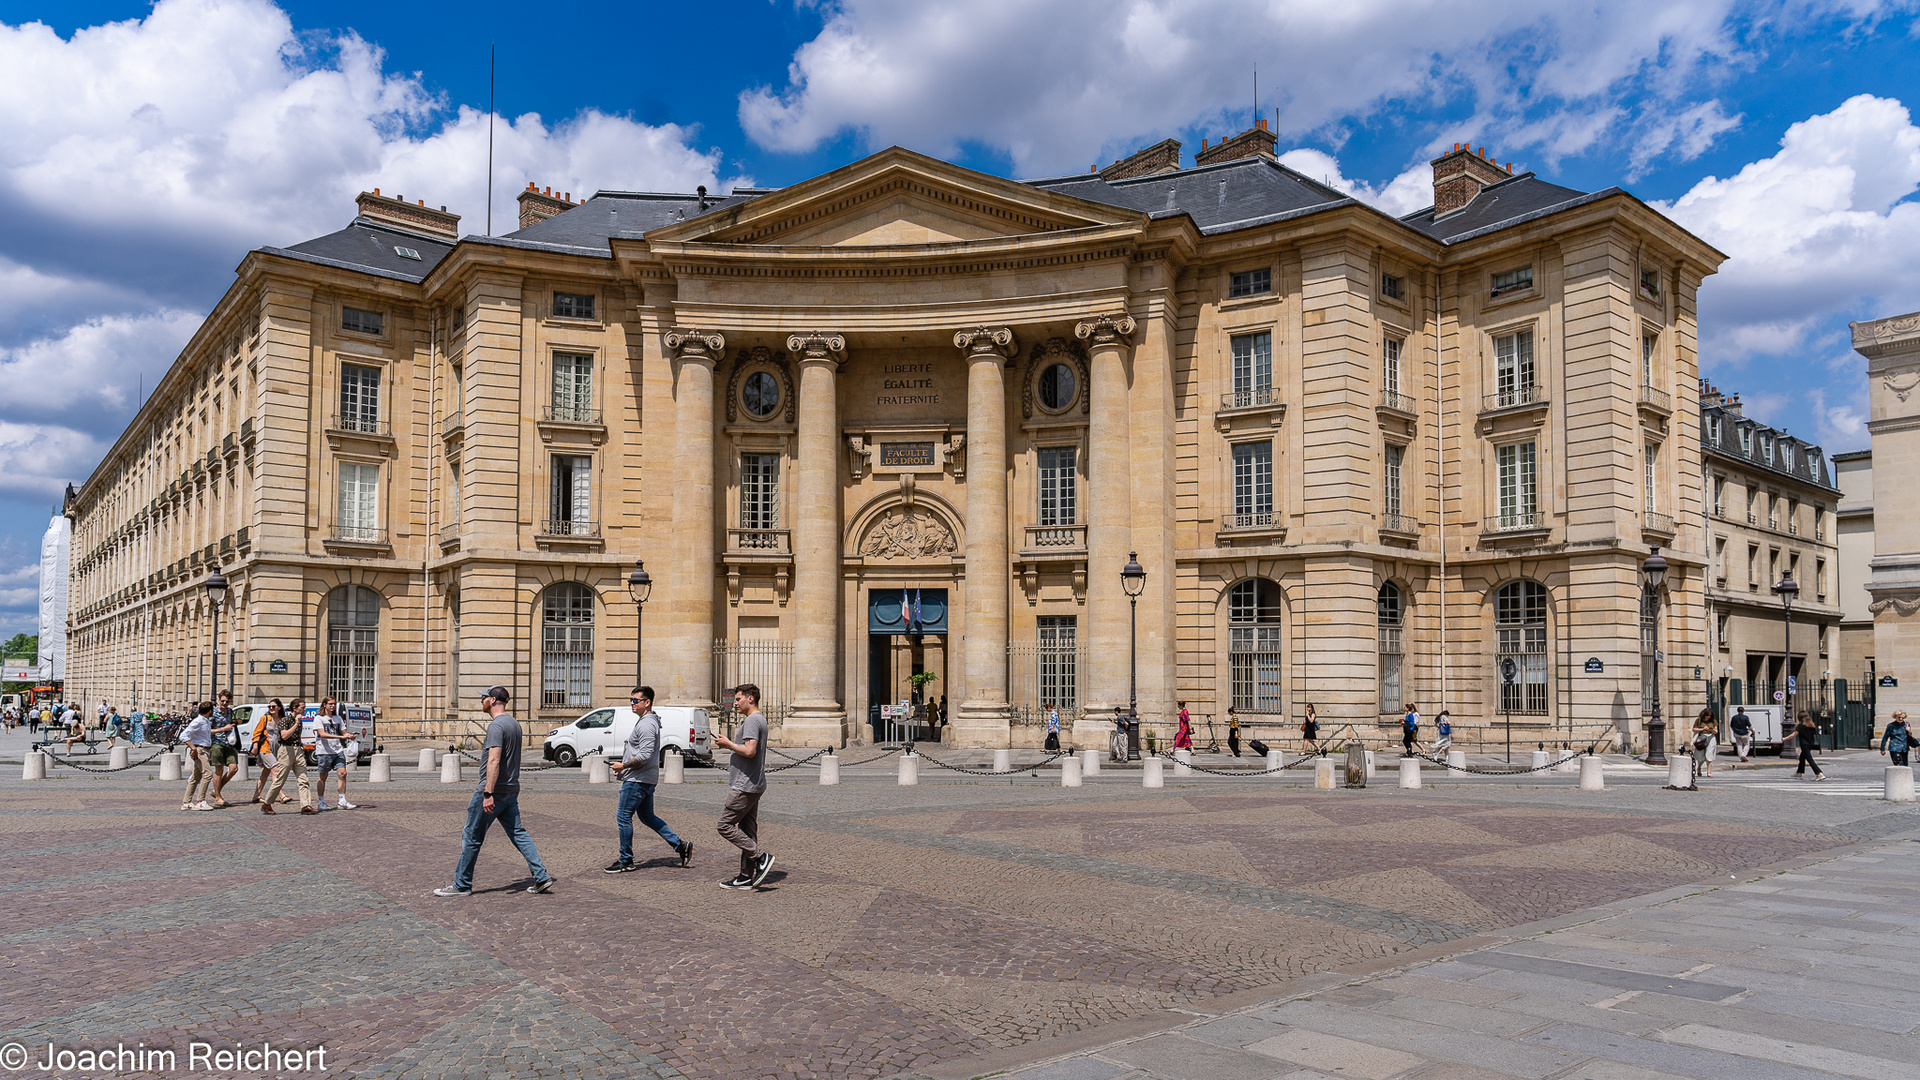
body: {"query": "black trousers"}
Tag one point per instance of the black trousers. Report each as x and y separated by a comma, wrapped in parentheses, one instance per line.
(1233, 742)
(1899, 756)
(1806, 759)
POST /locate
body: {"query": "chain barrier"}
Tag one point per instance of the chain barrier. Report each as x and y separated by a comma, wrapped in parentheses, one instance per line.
(1509, 771)
(793, 762)
(524, 767)
(1238, 773)
(1034, 769)
(58, 760)
(868, 761)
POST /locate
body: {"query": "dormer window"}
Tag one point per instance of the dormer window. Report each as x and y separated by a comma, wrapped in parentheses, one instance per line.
(1786, 456)
(1251, 282)
(1392, 286)
(1713, 430)
(1650, 284)
(1746, 441)
(1766, 448)
(1513, 281)
(572, 305)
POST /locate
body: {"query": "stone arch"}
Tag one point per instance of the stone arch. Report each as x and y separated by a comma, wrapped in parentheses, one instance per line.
(896, 527)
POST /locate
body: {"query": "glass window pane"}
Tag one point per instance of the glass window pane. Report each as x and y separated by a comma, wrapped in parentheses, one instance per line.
(1058, 485)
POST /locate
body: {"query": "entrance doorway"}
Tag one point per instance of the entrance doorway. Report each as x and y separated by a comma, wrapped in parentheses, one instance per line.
(906, 663)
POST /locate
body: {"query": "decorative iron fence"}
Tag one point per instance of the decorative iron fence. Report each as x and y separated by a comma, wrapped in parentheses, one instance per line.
(766, 664)
(1045, 675)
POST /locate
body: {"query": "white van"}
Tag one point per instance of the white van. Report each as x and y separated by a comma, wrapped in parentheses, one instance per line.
(605, 731)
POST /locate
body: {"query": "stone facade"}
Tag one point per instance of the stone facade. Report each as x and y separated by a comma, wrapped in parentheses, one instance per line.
(1892, 349)
(908, 417)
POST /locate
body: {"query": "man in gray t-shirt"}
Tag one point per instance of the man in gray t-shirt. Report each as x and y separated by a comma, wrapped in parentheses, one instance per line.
(746, 782)
(497, 797)
(639, 770)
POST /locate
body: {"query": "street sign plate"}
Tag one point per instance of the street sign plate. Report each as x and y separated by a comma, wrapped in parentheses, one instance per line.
(1888, 680)
(1594, 666)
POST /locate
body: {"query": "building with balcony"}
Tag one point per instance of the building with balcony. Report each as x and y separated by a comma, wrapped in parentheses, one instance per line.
(906, 418)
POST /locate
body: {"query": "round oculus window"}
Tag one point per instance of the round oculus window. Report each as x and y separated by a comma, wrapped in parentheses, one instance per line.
(1057, 387)
(761, 394)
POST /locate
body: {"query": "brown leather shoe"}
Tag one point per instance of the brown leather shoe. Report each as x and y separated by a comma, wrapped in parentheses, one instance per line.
(308, 810)
(266, 809)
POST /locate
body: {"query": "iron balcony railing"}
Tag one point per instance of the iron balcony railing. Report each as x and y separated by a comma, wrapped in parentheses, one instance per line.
(1515, 397)
(1250, 399)
(570, 414)
(1398, 523)
(569, 528)
(1400, 403)
(761, 541)
(359, 534)
(1056, 537)
(1516, 521)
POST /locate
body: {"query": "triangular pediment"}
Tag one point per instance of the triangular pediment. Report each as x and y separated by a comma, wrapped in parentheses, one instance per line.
(895, 198)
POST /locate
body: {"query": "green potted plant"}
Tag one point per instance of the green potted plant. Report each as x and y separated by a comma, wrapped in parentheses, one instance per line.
(919, 681)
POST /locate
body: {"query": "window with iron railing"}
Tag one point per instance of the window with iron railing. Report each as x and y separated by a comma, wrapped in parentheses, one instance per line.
(1390, 609)
(359, 398)
(1253, 645)
(566, 646)
(759, 491)
(1058, 486)
(573, 388)
(1513, 370)
(1252, 369)
(1520, 633)
(1252, 485)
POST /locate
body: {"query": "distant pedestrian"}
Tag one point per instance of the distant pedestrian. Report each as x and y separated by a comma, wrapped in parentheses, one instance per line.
(1183, 731)
(1233, 731)
(1410, 731)
(226, 748)
(198, 739)
(1895, 740)
(1742, 728)
(746, 782)
(1442, 732)
(1806, 735)
(1706, 740)
(290, 759)
(639, 773)
(330, 750)
(1053, 729)
(33, 719)
(1310, 732)
(116, 727)
(497, 799)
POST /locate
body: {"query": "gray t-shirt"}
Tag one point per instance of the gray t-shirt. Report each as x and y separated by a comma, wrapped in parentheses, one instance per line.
(503, 732)
(328, 725)
(749, 773)
(643, 747)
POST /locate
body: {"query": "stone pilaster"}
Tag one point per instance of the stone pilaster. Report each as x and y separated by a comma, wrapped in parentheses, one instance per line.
(818, 718)
(694, 354)
(1109, 523)
(983, 718)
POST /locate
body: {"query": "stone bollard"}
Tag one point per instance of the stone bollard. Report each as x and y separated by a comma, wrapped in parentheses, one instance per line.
(117, 758)
(673, 768)
(1409, 772)
(1070, 771)
(380, 769)
(597, 770)
(1358, 758)
(1456, 759)
(1002, 760)
(1323, 773)
(909, 769)
(1569, 763)
(34, 766)
(1276, 760)
(1089, 763)
(829, 769)
(241, 775)
(1370, 773)
(1541, 759)
(1680, 772)
(1899, 783)
(170, 766)
(1153, 773)
(1183, 763)
(1591, 778)
(450, 769)
(428, 760)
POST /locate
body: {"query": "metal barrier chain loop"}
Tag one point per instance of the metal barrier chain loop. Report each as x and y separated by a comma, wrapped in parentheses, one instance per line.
(58, 760)
(1034, 769)
(1238, 774)
(1489, 772)
(795, 762)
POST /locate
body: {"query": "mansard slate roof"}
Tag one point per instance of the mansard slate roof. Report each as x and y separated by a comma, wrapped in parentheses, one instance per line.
(1511, 201)
(1807, 464)
(368, 246)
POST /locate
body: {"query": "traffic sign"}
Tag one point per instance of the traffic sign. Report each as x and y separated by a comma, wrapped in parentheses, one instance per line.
(1509, 670)
(1779, 695)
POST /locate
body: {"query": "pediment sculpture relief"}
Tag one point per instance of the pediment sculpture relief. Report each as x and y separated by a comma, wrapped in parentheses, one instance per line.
(905, 534)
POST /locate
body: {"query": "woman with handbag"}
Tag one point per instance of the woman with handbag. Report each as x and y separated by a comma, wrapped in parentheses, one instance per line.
(1706, 739)
(1806, 735)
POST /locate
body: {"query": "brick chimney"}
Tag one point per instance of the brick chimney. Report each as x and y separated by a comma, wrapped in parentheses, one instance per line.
(1256, 141)
(396, 212)
(1161, 157)
(538, 204)
(1460, 174)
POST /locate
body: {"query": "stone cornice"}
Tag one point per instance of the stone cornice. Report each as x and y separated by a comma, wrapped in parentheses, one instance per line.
(1876, 338)
(1066, 247)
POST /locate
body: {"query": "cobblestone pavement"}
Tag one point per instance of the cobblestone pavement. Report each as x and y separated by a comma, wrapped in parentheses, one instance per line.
(904, 930)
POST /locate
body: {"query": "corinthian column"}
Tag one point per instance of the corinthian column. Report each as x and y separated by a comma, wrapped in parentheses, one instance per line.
(1109, 524)
(694, 353)
(983, 719)
(817, 717)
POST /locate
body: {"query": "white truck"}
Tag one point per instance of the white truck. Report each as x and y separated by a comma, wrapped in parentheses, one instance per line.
(1770, 726)
(605, 731)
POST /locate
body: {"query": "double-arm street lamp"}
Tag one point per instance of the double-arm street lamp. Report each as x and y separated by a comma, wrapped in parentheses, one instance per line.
(1654, 570)
(639, 586)
(1133, 579)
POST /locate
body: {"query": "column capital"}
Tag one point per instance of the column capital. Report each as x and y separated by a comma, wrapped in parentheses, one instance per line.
(817, 348)
(980, 342)
(695, 345)
(1105, 330)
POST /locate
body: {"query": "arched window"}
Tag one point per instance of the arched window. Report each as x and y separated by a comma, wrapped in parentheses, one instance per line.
(566, 647)
(1520, 632)
(1391, 607)
(1253, 645)
(353, 641)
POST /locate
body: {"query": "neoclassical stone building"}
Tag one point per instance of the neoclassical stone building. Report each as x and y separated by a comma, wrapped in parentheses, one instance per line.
(905, 417)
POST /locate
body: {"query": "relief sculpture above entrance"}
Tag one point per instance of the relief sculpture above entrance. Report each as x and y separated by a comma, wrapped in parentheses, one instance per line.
(905, 534)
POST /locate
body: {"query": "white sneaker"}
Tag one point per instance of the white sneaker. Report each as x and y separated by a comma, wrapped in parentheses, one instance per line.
(345, 805)
(203, 805)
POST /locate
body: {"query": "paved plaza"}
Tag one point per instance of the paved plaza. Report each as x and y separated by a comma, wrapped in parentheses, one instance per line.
(1221, 927)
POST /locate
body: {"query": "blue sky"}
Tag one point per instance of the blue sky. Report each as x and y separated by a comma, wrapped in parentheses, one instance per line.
(144, 148)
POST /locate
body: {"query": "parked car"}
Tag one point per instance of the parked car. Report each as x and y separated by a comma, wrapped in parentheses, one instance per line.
(359, 720)
(605, 731)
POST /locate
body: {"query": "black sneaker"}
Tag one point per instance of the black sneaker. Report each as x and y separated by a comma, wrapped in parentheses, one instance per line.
(621, 866)
(541, 886)
(761, 870)
(741, 882)
(686, 853)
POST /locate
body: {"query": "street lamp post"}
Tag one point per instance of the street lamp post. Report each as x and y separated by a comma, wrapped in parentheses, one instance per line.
(1654, 570)
(1786, 588)
(639, 586)
(217, 592)
(1133, 579)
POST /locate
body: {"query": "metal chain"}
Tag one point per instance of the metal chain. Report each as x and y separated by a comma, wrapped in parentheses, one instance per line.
(1490, 772)
(1239, 774)
(796, 762)
(1034, 769)
(475, 758)
(58, 760)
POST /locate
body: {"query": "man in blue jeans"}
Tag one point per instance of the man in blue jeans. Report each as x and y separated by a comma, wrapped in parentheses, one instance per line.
(639, 774)
(498, 797)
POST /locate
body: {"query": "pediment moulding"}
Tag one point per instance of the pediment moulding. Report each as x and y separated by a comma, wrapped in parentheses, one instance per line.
(1885, 337)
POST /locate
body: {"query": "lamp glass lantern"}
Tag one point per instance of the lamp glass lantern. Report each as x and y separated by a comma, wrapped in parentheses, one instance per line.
(640, 583)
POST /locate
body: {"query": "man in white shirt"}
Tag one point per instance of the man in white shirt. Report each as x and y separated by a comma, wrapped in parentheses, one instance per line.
(198, 738)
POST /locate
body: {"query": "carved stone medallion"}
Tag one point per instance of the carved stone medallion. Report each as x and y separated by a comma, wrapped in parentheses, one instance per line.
(905, 534)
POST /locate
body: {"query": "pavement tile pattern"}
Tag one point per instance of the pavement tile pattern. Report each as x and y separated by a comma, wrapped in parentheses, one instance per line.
(903, 929)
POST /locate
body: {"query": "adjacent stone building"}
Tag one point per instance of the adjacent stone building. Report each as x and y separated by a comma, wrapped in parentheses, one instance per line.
(1892, 349)
(909, 418)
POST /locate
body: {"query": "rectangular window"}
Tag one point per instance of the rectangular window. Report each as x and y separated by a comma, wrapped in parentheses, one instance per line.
(1395, 456)
(1746, 441)
(1649, 343)
(1786, 456)
(1391, 646)
(359, 398)
(1752, 515)
(1713, 431)
(1720, 558)
(568, 305)
(1513, 369)
(1753, 565)
(573, 388)
(1059, 494)
(1720, 496)
(1392, 286)
(1766, 448)
(759, 491)
(1652, 472)
(1390, 366)
(1793, 515)
(1820, 579)
(1251, 282)
(1513, 281)
(359, 505)
(1773, 511)
(1721, 635)
(360, 320)
(1252, 485)
(1819, 523)
(1059, 662)
(572, 500)
(1650, 283)
(1252, 369)
(1519, 506)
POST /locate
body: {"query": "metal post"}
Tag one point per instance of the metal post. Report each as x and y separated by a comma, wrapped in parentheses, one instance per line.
(1509, 673)
(1133, 671)
(213, 659)
(639, 631)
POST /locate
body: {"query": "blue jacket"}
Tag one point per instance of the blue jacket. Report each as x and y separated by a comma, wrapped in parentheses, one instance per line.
(1896, 737)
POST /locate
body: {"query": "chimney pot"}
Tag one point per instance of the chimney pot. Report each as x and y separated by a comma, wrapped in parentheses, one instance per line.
(376, 191)
(531, 186)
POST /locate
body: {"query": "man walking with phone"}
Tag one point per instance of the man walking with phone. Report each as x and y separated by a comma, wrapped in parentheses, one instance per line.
(746, 782)
(497, 798)
(639, 773)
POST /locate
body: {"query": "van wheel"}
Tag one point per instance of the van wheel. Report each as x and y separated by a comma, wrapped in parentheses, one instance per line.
(564, 756)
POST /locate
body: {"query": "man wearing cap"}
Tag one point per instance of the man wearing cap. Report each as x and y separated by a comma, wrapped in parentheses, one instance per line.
(497, 797)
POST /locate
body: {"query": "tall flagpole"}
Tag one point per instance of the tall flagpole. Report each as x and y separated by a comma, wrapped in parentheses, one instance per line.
(492, 48)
